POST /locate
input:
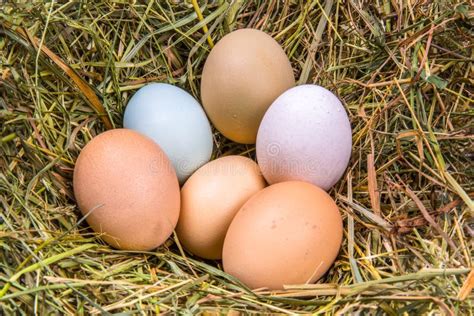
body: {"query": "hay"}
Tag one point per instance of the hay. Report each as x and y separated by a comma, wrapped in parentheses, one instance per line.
(403, 70)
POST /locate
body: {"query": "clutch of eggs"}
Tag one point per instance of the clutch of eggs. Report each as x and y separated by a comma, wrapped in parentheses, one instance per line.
(126, 181)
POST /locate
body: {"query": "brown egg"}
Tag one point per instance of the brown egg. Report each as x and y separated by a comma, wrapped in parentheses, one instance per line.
(244, 73)
(210, 199)
(288, 233)
(128, 189)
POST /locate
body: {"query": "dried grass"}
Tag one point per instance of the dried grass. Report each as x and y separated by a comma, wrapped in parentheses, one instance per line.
(404, 70)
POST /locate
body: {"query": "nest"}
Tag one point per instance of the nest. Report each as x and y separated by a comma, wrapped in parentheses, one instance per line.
(403, 70)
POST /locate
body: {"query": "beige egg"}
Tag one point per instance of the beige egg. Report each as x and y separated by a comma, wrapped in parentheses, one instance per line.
(128, 189)
(288, 233)
(210, 199)
(243, 74)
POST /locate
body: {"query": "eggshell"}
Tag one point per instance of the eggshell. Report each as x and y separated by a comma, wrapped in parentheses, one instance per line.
(175, 121)
(244, 73)
(210, 199)
(305, 135)
(126, 186)
(288, 233)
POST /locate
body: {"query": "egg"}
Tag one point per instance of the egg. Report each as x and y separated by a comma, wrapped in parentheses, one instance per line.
(127, 189)
(243, 74)
(305, 135)
(210, 199)
(175, 121)
(288, 233)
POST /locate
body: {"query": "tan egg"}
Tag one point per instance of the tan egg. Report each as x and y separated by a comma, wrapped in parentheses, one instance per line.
(288, 233)
(210, 199)
(244, 73)
(128, 189)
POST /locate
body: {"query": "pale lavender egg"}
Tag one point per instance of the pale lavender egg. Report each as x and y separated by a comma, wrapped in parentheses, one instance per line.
(305, 135)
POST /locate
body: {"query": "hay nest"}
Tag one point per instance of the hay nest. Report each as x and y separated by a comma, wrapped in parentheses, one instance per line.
(403, 70)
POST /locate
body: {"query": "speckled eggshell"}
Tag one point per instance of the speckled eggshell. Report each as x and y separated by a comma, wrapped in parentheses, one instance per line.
(305, 135)
(210, 199)
(127, 188)
(175, 121)
(243, 74)
(288, 233)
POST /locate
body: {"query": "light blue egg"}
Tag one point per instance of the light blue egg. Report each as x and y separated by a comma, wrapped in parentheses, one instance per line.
(176, 121)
